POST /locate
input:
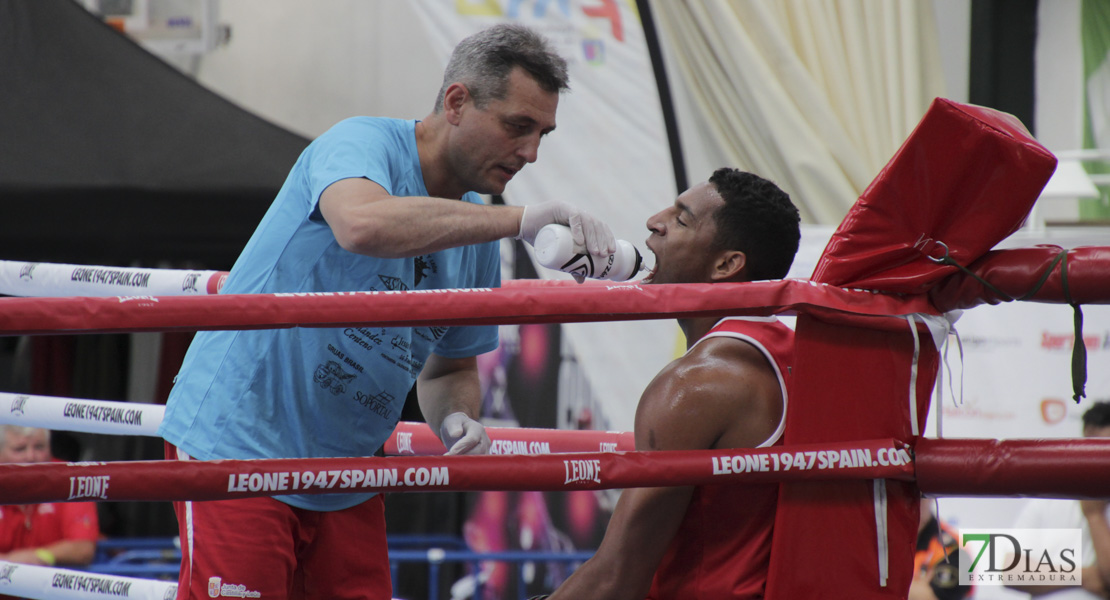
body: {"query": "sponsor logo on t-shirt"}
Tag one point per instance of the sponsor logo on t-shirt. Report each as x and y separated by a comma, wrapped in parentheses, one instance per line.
(420, 267)
(430, 334)
(379, 404)
(332, 377)
(393, 283)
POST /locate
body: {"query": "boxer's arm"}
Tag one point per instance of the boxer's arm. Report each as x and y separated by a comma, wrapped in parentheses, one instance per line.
(679, 410)
(639, 531)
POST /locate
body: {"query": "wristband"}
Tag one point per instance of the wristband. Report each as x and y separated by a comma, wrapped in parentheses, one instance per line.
(46, 556)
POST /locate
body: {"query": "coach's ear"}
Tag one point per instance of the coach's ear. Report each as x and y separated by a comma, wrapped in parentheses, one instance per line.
(729, 266)
(455, 99)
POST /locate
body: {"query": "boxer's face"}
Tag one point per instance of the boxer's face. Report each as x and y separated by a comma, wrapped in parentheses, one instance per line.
(490, 144)
(682, 237)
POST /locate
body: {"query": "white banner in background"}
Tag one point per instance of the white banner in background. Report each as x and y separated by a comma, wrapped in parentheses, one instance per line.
(609, 125)
(1017, 371)
(1016, 363)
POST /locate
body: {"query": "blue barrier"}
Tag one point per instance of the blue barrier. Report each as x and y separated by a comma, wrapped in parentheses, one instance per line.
(160, 558)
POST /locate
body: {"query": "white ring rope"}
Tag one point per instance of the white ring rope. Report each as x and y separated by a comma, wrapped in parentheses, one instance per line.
(48, 583)
(133, 418)
(31, 279)
(81, 415)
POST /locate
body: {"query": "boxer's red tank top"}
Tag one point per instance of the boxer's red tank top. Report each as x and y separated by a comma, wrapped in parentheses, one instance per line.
(723, 547)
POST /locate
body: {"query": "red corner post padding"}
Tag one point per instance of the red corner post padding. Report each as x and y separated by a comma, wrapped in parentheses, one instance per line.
(849, 379)
(964, 179)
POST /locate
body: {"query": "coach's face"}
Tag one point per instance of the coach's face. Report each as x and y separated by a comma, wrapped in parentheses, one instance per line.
(493, 142)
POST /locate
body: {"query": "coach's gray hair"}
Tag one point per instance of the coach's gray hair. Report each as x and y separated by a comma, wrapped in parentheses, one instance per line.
(483, 61)
(20, 429)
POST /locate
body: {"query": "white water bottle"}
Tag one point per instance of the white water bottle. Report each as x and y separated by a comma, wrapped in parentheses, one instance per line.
(555, 249)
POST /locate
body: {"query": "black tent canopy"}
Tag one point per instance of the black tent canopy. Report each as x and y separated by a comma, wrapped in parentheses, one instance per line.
(110, 156)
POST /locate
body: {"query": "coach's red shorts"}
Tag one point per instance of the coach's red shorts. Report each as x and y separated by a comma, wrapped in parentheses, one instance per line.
(266, 549)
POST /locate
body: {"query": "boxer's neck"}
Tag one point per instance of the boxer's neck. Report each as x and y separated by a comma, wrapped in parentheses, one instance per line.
(695, 329)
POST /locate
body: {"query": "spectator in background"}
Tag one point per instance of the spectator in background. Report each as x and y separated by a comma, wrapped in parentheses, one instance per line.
(48, 534)
(936, 562)
(1090, 516)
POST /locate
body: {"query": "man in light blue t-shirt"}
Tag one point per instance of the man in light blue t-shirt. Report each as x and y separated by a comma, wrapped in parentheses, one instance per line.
(372, 204)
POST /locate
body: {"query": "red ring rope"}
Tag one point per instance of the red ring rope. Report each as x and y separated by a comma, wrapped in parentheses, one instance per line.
(164, 480)
(1066, 468)
(134, 418)
(517, 304)
(417, 439)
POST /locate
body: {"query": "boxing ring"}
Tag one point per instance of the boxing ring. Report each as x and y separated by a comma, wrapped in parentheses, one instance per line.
(870, 325)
